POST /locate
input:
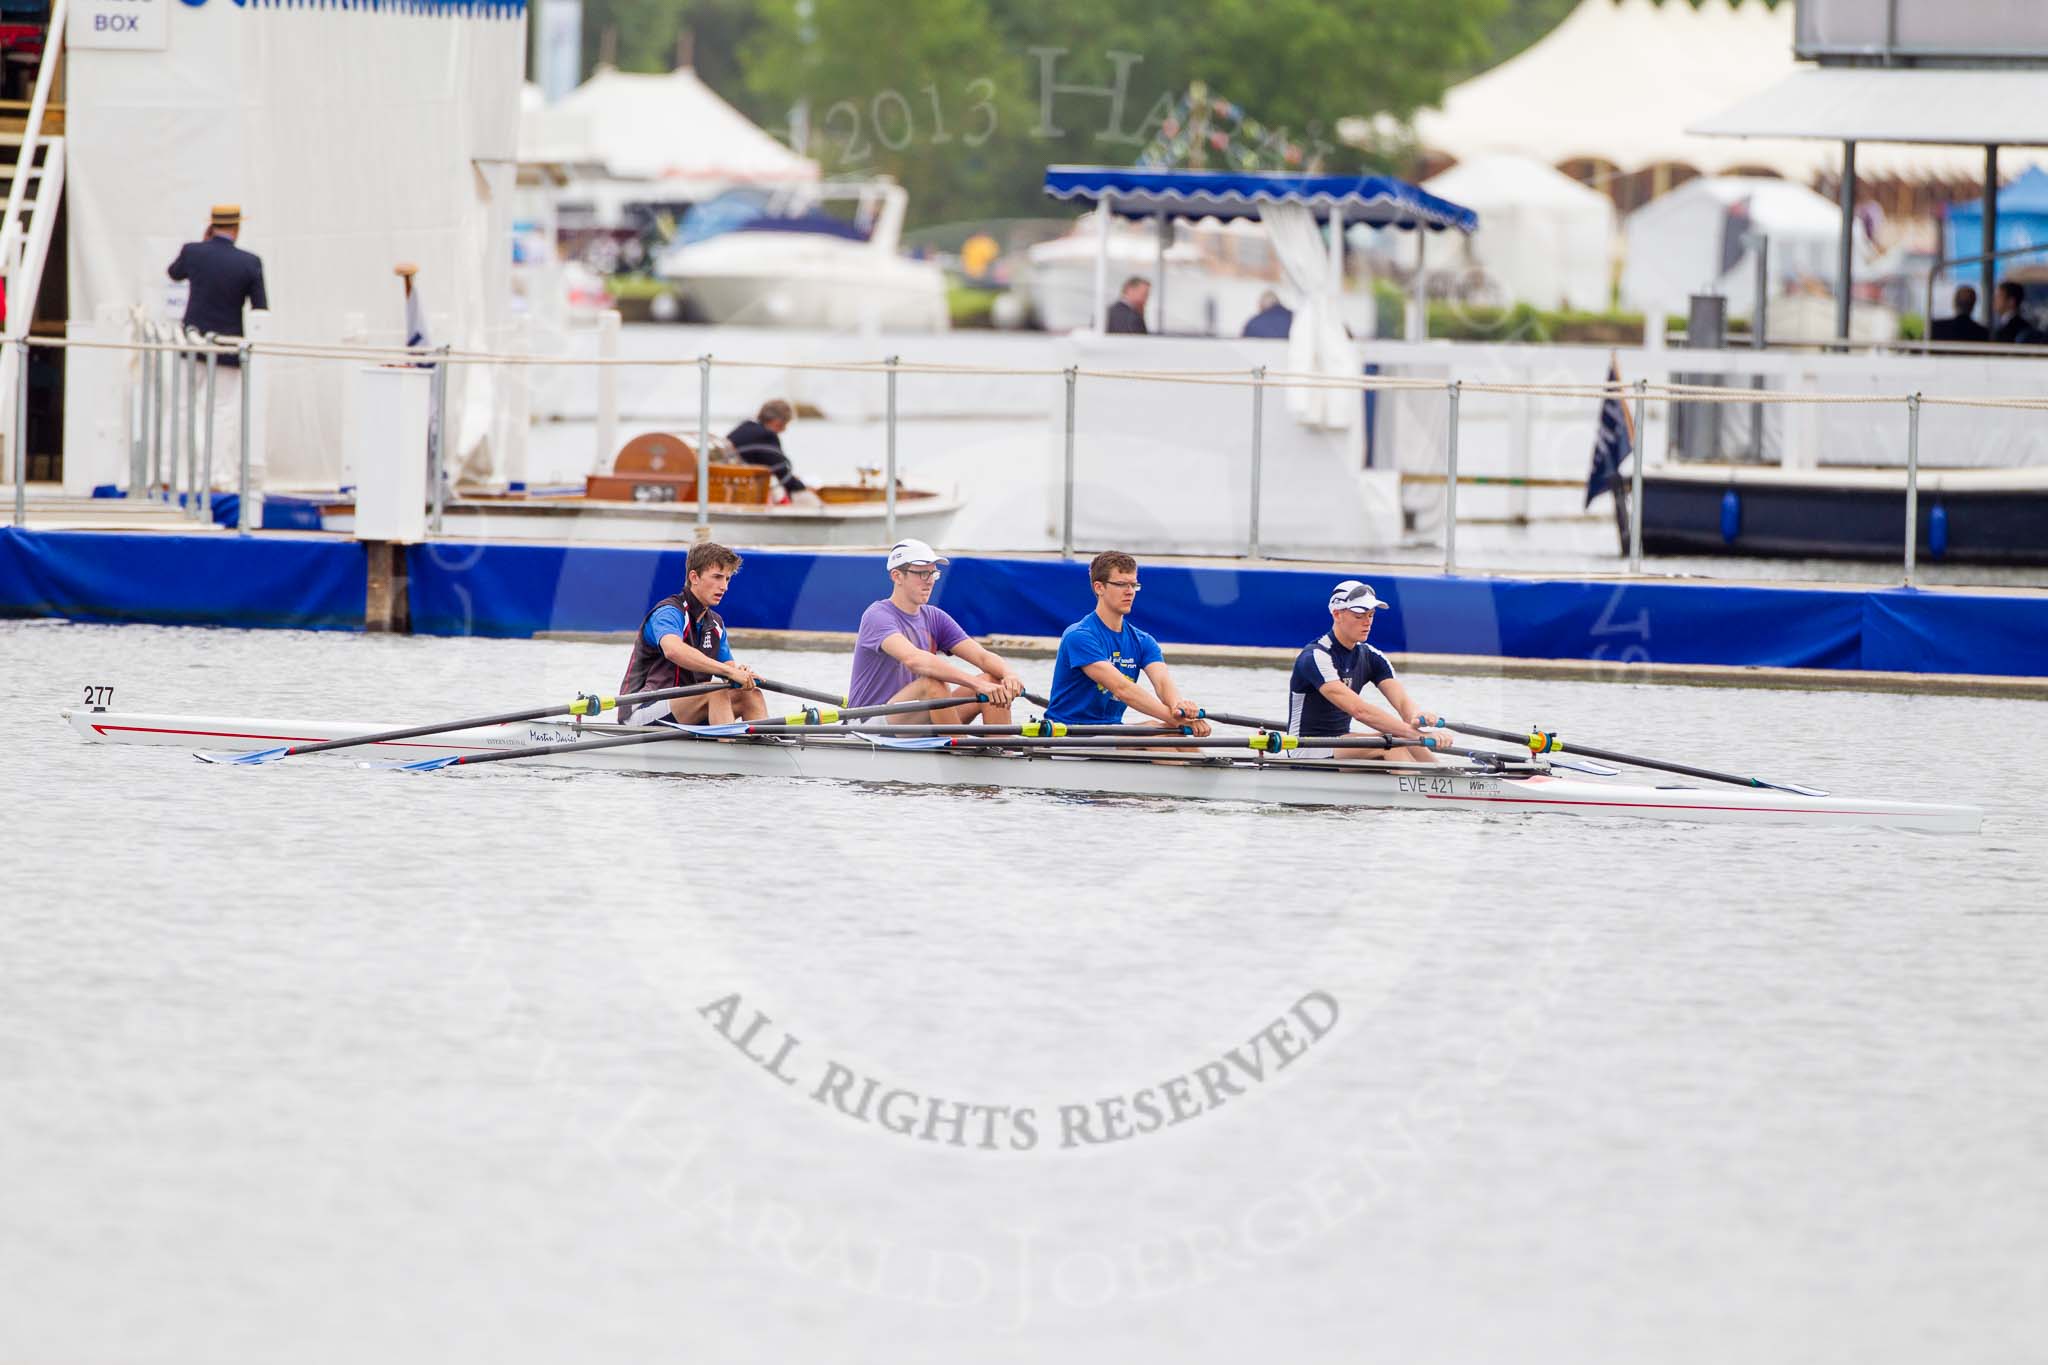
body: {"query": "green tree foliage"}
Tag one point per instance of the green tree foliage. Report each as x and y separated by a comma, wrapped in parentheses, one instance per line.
(922, 90)
(960, 99)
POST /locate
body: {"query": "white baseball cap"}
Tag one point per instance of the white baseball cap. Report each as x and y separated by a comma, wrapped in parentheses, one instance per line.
(914, 552)
(1352, 595)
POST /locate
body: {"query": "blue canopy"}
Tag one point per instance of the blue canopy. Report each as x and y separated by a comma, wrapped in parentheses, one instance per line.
(2022, 222)
(1375, 199)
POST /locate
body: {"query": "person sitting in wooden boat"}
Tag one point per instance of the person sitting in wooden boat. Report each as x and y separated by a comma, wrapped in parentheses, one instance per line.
(1325, 691)
(759, 442)
(1102, 656)
(907, 647)
(682, 643)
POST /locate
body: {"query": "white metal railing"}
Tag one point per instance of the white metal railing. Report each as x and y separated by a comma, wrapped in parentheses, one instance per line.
(161, 453)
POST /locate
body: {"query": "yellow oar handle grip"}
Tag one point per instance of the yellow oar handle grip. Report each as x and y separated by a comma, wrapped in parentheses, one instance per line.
(1545, 742)
(1044, 729)
(812, 715)
(592, 705)
(1272, 742)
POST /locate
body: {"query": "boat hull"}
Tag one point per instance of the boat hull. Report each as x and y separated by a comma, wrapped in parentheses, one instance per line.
(1973, 517)
(1247, 778)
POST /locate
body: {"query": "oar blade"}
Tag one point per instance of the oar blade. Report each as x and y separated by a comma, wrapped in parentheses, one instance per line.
(907, 741)
(1792, 787)
(257, 756)
(425, 765)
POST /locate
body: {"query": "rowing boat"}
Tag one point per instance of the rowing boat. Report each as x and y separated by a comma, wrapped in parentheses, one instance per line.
(1526, 785)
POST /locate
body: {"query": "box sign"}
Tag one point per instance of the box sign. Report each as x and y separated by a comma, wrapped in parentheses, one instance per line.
(140, 25)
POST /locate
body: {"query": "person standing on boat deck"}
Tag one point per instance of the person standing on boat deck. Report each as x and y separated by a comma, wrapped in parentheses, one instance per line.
(1325, 691)
(1101, 656)
(2013, 329)
(759, 442)
(682, 642)
(1964, 325)
(221, 280)
(902, 651)
(1127, 314)
(1273, 320)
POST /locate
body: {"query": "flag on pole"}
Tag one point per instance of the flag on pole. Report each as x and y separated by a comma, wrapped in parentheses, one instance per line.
(1617, 438)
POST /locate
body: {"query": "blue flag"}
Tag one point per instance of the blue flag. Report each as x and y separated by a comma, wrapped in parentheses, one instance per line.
(1616, 441)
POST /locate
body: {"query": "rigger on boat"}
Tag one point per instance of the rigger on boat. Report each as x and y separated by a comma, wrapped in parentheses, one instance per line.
(946, 722)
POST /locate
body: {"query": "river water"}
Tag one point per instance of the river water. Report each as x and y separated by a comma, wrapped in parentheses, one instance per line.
(325, 1063)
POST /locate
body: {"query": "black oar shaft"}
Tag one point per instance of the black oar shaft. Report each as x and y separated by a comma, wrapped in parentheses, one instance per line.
(1253, 721)
(766, 728)
(506, 718)
(807, 693)
(1039, 728)
(1550, 744)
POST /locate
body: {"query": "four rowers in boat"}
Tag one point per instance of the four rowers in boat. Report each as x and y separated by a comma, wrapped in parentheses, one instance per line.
(906, 651)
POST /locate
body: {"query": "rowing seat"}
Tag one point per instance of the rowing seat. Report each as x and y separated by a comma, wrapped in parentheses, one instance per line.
(662, 467)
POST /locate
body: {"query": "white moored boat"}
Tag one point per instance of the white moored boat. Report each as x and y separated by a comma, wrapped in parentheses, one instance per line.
(1216, 775)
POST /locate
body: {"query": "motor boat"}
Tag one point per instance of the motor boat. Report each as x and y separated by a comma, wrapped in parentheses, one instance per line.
(790, 262)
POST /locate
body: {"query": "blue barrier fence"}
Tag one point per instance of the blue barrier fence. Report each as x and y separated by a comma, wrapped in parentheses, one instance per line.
(517, 590)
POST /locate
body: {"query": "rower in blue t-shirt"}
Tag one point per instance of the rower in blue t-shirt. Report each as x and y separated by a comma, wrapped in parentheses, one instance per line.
(1324, 691)
(1102, 656)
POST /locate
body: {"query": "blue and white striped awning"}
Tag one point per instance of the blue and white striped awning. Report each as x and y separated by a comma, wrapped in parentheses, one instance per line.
(1378, 200)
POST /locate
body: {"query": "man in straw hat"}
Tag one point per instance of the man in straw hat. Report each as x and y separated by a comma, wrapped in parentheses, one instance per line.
(222, 279)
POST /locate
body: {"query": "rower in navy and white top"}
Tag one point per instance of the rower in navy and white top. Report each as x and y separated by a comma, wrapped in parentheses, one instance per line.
(1324, 694)
(682, 642)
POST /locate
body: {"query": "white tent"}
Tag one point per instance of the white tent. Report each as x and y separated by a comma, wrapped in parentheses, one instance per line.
(1544, 238)
(671, 127)
(1676, 244)
(1621, 81)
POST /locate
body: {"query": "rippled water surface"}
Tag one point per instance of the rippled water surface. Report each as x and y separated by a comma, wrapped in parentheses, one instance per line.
(321, 1063)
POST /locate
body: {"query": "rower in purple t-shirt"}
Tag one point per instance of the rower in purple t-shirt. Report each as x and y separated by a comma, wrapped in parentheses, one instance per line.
(906, 648)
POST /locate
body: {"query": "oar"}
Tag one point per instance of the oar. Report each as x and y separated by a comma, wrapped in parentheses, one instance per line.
(808, 694)
(814, 716)
(1251, 722)
(1035, 729)
(808, 720)
(1254, 723)
(1270, 742)
(589, 705)
(1546, 742)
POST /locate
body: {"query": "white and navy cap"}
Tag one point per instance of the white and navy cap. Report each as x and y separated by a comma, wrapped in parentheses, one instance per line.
(905, 552)
(1352, 595)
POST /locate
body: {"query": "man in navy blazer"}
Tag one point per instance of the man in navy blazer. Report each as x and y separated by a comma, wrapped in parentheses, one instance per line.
(223, 277)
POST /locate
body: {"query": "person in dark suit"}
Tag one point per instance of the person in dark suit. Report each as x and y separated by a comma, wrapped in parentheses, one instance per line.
(1127, 314)
(2013, 327)
(1963, 326)
(1272, 320)
(222, 277)
(759, 442)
